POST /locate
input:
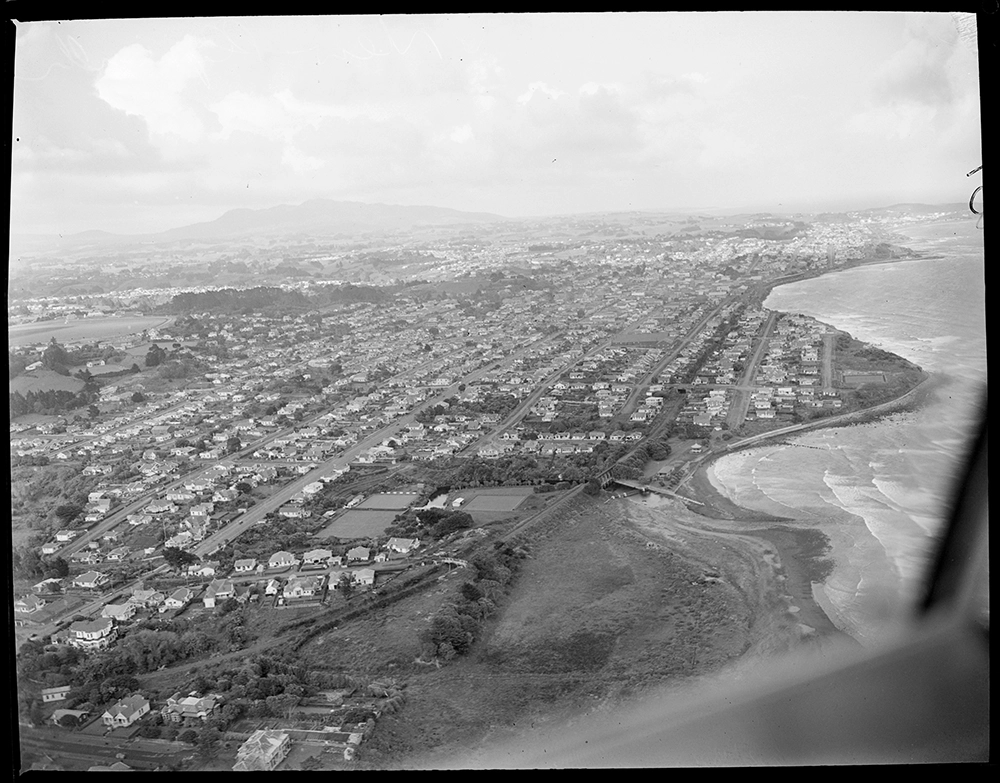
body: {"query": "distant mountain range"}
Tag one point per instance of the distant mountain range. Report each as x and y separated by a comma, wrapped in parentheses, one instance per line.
(323, 217)
(318, 217)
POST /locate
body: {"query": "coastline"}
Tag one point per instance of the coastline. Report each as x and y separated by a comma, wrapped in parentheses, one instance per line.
(805, 556)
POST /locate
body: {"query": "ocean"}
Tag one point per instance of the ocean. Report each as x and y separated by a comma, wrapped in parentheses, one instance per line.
(881, 490)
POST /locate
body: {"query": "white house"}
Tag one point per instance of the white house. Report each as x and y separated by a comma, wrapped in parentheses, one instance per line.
(126, 711)
(28, 605)
(58, 693)
(282, 560)
(402, 545)
(91, 580)
(178, 598)
(317, 557)
(120, 612)
(360, 553)
(245, 566)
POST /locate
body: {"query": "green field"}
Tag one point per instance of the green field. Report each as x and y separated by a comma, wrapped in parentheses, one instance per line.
(494, 503)
(387, 501)
(44, 380)
(358, 524)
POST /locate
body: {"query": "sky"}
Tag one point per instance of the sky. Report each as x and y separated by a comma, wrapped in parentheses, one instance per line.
(141, 125)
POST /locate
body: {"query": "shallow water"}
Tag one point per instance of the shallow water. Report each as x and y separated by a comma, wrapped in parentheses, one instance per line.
(880, 490)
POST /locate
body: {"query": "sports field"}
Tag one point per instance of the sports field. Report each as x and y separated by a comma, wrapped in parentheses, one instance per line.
(388, 500)
(358, 524)
(494, 502)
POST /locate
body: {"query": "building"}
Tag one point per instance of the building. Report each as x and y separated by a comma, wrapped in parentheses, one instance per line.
(58, 693)
(245, 566)
(359, 553)
(402, 545)
(218, 590)
(120, 612)
(28, 605)
(317, 557)
(189, 708)
(178, 598)
(92, 634)
(263, 751)
(303, 587)
(282, 560)
(126, 711)
(363, 576)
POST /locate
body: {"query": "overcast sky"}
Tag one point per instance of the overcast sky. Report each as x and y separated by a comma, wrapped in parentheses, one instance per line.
(143, 125)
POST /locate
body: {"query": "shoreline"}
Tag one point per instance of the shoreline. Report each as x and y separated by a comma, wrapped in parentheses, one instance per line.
(804, 553)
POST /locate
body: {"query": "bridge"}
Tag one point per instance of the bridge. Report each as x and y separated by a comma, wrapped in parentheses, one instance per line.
(645, 489)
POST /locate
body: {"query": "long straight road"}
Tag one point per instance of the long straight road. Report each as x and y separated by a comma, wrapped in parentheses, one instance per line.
(741, 398)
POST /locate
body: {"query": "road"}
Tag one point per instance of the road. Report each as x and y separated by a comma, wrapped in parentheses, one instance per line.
(95, 750)
(741, 397)
(657, 369)
(829, 342)
(828, 421)
(519, 412)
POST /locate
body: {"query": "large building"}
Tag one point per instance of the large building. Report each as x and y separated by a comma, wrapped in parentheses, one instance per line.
(263, 751)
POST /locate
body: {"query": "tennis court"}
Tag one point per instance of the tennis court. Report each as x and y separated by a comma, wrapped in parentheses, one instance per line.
(358, 524)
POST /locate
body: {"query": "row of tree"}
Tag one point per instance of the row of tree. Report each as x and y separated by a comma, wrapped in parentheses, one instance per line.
(455, 627)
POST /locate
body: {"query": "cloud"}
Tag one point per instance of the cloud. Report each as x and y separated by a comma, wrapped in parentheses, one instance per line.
(536, 87)
(138, 84)
(461, 134)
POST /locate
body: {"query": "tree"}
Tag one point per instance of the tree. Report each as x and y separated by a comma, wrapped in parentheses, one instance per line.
(233, 445)
(138, 396)
(155, 356)
(190, 736)
(346, 585)
(178, 558)
(209, 739)
(593, 487)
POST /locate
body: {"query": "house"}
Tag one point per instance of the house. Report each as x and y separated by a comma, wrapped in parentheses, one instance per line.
(189, 708)
(50, 548)
(146, 598)
(58, 693)
(28, 605)
(120, 612)
(359, 553)
(48, 587)
(91, 580)
(402, 545)
(272, 587)
(66, 535)
(178, 598)
(303, 587)
(317, 557)
(218, 590)
(363, 576)
(263, 751)
(282, 560)
(181, 540)
(119, 554)
(206, 570)
(245, 566)
(92, 634)
(126, 711)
